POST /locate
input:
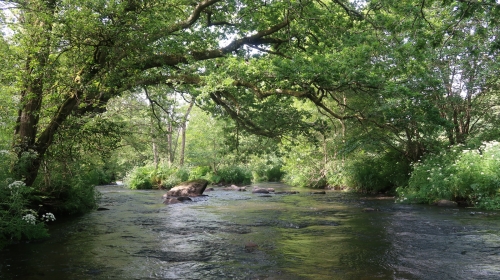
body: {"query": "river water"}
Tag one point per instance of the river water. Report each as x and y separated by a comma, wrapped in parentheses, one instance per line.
(299, 236)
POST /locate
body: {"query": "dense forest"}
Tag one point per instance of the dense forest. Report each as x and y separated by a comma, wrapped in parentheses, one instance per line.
(398, 97)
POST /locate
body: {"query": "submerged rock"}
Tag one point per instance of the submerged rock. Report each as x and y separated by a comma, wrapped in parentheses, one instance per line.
(250, 247)
(259, 190)
(287, 192)
(235, 188)
(189, 188)
(171, 200)
(446, 203)
(320, 192)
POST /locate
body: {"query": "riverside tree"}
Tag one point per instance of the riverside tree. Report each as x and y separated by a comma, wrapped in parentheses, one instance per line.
(398, 75)
(72, 57)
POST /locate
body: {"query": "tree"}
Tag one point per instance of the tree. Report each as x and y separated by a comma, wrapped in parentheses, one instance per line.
(365, 65)
(74, 56)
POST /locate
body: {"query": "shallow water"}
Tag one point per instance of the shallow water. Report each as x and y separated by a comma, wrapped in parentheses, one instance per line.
(299, 236)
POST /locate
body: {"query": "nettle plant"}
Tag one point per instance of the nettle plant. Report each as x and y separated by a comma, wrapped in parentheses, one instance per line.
(460, 174)
(17, 220)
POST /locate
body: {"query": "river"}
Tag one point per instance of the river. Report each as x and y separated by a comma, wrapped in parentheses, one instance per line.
(240, 235)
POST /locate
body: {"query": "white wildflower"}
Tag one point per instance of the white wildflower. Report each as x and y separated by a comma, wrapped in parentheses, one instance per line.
(16, 185)
(29, 218)
(48, 217)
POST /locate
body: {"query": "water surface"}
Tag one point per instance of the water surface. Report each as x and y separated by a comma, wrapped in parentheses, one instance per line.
(299, 236)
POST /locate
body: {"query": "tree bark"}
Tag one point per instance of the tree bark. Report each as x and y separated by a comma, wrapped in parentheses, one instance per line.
(29, 152)
(183, 129)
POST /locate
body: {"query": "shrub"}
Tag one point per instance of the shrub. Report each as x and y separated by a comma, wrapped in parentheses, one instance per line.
(173, 176)
(212, 178)
(235, 175)
(459, 174)
(266, 170)
(17, 221)
(376, 172)
(146, 177)
(77, 197)
(198, 172)
(140, 178)
(304, 169)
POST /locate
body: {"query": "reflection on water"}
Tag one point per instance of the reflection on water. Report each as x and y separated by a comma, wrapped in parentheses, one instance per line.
(300, 236)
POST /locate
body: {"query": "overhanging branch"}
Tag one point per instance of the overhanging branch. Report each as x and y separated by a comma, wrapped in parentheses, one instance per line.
(162, 60)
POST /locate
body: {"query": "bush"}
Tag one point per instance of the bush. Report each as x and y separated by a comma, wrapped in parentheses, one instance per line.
(17, 221)
(235, 175)
(146, 177)
(140, 178)
(198, 172)
(375, 173)
(304, 167)
(310, 177)
(460, 174)
(170, 177)
(78, 197)
(212, 178)
(97, 177)
(266, 170)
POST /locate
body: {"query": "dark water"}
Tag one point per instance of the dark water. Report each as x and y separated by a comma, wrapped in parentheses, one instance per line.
(301, 236)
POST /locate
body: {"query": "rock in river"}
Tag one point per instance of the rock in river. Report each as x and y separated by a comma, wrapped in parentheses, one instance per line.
(189, 188)
(235, 188)
(259, 190)
(250, 247)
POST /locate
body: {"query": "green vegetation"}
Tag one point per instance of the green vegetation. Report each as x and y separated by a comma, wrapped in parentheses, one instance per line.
(459, 174)
(361, 96)
(17, 220)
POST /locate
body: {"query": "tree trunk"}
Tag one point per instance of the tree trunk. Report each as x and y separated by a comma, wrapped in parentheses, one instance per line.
(183, 131)
(169, 144)
(154, 146)
(29, 152)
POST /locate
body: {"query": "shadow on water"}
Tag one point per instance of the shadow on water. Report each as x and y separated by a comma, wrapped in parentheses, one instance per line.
(240, 235)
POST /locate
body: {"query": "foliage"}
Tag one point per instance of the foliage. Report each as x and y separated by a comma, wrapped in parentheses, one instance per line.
(212, 178)
(376, 172)
(235, 174)
(148, 177)
(330, 93)
(313, 161)
(140, 178)
(460, 174)
(77, 196)
(205, 145)
(198, 172)
(17, 220)
(304, 166)
(76, 162)
(168, 177)
(266, 168)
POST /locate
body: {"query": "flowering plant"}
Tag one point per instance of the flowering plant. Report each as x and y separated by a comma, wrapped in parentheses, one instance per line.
(459, 174)
(17, 221)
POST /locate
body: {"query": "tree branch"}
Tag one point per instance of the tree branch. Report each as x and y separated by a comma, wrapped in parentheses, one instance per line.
(195, 15)
(256, 39)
